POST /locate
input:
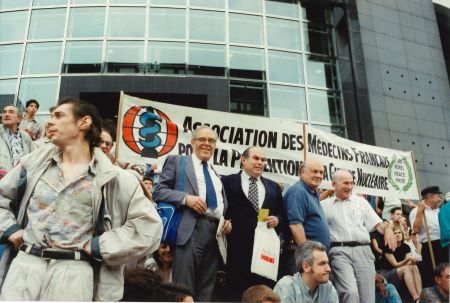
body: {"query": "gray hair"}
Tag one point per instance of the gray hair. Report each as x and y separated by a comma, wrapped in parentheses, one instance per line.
(304, 253)
(198, 129)
(338, 174)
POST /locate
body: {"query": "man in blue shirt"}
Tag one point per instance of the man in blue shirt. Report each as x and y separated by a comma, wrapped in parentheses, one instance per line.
(305, 215)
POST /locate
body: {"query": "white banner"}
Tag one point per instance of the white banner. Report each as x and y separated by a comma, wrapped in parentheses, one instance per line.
(377, 171)
(149, 131)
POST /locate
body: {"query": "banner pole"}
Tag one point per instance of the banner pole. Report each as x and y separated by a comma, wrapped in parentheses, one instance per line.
(119, 126)
(425, 223)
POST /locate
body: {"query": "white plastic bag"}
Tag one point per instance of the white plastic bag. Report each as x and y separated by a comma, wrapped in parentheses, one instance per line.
(266, 252)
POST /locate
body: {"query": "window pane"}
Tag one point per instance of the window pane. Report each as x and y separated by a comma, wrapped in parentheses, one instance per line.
(128, 1)
(10, 56)
(166, 52)
(206, 54)
(86, 22)
(247, 5)
(208, 3)
(317, 39)
(287, 102)
(205, 25)
(247, 97)
(338, 131)
(12, 25)
(246, 29)
(42, 58)
(49, 2)
(247, 58)
(42, 89)
(80, 52)
(320, 72)
(87, 1)
(126, 22)
(7, 92)
(167, 23)
(125, 51)
(285, 67)
(168, 2)
(283, 33)
(324, 107)
(4, 4)
(47, 23)
(282, 8)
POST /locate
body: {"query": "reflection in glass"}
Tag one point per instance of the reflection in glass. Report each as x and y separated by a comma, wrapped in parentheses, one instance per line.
(246, 29)
(125, 51)
(83, 56)
(86, 22)
(324, 107)
(166, 52)
(7, 92)
(6, 4)
(47, 23)
(49, 2)
(247, 58)
(283, 33)
(287, 102)
(167, 23)
(10, 56)
(206, 54)
(285, 67)
(126, 22)
(42, 89)
(320, 71)
(247, 5)
(287, 8)
(42, 58)
(209, 3)
(12, 25)
(336, 130)
(207, 25)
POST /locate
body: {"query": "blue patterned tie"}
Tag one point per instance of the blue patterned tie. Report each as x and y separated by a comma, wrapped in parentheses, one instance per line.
(211, 199)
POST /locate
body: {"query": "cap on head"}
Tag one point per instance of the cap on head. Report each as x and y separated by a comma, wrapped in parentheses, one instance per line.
(430, 190)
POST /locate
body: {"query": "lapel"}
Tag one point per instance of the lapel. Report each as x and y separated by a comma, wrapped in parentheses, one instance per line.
(6, 138)
(266, 187)
(190, 174)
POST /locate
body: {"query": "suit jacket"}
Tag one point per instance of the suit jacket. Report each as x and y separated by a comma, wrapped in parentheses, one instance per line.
(5, 148)
(244, 219)
(167, 190)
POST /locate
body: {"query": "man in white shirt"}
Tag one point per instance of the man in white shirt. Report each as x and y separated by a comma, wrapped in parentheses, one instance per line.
(429, 208)
(351, 218)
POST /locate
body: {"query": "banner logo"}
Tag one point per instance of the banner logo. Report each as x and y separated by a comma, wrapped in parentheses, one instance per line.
(400, 174)
(149, 132)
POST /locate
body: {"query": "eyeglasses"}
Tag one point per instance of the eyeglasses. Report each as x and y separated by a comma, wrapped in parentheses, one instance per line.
(204, 140)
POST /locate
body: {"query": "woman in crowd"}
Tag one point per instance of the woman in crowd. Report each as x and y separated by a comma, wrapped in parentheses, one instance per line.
(403, 264)
(161, 262)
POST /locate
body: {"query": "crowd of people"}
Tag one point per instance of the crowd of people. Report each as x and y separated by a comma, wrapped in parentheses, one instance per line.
(78, 225)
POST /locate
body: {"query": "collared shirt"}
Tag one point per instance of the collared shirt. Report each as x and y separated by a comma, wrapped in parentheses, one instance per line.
(351, 219)
(433, 223)
(432, 295)
(60, 216)
(16, 146)
(32, 124)
(303, 207)
(198, 167)
(293, 289)
(245, 182)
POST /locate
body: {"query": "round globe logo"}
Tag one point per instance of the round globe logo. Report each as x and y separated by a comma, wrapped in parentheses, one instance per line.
(148, 131)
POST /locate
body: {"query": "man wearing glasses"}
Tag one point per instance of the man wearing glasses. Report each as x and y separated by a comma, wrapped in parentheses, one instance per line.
(248, 193)
(202, 203)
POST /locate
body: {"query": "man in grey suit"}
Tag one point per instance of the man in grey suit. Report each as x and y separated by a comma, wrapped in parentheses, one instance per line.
(202, 203)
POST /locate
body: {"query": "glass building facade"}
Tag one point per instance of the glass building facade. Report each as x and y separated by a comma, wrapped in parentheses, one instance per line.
(279, 58)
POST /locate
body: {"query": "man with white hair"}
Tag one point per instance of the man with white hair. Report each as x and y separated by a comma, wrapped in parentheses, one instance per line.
(350, 219)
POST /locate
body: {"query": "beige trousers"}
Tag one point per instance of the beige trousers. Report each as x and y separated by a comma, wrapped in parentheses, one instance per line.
(31, 278)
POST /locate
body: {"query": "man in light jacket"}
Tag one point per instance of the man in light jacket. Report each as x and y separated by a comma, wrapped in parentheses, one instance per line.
(74, 218)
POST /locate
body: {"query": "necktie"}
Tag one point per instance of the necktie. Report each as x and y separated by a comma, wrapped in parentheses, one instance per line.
(211, 199)
(253, 193)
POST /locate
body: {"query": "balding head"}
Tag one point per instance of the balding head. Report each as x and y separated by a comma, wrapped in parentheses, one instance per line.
(311, 172)
(11, 117)
(342, 183)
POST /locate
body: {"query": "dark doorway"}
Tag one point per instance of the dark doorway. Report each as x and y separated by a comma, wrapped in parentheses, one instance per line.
(108, 103)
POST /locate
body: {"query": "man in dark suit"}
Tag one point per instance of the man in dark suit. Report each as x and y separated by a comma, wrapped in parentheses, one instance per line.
(248, 192)
(202, 203)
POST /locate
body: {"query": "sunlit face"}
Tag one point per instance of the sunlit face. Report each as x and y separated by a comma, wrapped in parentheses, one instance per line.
(312, 173)
(343, 186)
(11, 117)
(64, 128)
(320, 269)
(253, 165)
(204, 144)
(106, 142)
